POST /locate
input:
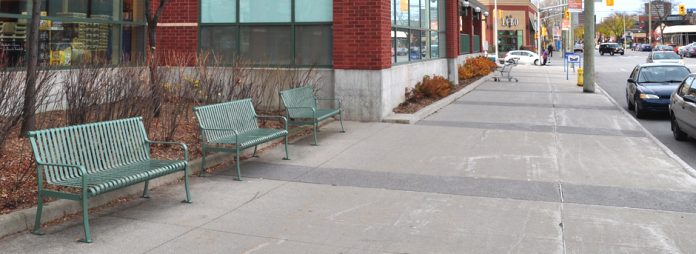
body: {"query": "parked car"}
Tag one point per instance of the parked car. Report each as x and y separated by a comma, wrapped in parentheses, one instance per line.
(645, 47)
(688, 50)
(682, 109)
(662, 48)
(665, 57)
(524, 56)
(649, 87)
(610, 48)
(635, 46)
(579, 47)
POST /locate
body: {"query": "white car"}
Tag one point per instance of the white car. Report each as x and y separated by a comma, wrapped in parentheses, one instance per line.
(524, 56)
(665, 57)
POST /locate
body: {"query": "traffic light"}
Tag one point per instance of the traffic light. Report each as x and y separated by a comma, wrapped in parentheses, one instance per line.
(567, 13)
(610, 3)
(682, 9)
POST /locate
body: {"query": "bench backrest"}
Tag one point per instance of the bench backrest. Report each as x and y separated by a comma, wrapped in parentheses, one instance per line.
(96, 146)
(298, 97)
(236, 115)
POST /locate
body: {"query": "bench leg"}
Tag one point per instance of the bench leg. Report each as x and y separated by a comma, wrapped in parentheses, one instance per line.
(37, 221)
(340, 119)
(200, 173)
(287, 156)
(254, 155)
(146, 189)
(236, 162)
(186, 185)
(316, 127)
(85, 217)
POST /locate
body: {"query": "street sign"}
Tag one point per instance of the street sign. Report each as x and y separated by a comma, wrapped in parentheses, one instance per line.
(573, 58)
(575, 5)
(565, 25)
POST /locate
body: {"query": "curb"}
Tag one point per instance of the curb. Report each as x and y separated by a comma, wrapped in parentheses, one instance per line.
(23, 220)
(685, 166)
(432, 108)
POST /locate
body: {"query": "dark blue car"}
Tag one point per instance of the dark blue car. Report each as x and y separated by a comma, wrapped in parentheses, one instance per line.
(645, 47)
(650, 86)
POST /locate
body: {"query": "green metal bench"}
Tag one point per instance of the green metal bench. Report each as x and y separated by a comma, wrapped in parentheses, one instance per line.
(301, 108)
(232, 127)
(97, 158)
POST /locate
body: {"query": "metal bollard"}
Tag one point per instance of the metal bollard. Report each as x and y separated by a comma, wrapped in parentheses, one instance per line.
(580, 81)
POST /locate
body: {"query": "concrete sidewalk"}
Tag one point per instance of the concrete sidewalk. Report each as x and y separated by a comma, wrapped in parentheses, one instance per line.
(529, 167)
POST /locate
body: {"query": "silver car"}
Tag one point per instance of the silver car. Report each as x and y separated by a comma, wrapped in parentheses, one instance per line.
(682, 109)
(665, 57)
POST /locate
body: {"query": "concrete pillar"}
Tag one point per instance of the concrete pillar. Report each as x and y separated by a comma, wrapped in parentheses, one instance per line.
(452, 29)
(361, 53)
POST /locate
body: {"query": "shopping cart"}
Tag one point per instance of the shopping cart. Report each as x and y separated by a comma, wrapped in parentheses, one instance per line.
(506, 69)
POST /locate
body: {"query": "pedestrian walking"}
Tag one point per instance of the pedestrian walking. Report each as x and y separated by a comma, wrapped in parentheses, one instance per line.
(550, 48)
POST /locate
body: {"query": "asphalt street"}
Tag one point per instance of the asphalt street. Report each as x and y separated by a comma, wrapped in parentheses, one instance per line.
(612, 72)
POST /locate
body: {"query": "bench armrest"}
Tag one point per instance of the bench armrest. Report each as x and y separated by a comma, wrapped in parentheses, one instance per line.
(285, 119)
(182, 145)
(336, 100)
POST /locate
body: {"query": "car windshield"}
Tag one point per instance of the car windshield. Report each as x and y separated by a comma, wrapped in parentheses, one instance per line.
(665, 55)
(663, 74)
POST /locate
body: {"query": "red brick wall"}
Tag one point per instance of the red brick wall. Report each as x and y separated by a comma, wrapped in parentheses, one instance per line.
(362, 34)
(178, 27)
(452, 27)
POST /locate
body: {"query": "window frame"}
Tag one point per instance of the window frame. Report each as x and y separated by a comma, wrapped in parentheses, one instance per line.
(395, 27)
(114, 21)
(293, 24)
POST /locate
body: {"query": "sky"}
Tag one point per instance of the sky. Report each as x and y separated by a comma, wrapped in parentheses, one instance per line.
(632, 6)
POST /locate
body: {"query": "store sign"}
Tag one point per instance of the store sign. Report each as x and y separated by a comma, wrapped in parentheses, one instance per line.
(575, 5)
(509, 21)
(512, 20)
(565, 25)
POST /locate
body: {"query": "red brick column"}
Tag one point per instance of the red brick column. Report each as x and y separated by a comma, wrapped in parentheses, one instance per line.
(477, 29)
(452, 27)
(177, 30)
(362, 34)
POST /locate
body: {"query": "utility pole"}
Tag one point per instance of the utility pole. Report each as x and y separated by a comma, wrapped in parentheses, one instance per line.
(495, 28)
(649, 22)
(588, 52)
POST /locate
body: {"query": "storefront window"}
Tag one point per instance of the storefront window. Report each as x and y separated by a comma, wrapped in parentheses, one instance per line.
(269, 36)
(416, 34)
(264, 11)
(218, 11)
(75, 32)
(414, 13)
(313, 10)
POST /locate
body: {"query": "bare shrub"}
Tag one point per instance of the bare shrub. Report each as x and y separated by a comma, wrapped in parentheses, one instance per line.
(11, 102)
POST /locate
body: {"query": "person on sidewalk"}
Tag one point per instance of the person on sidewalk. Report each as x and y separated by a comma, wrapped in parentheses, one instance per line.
(550, 48)
(545, 56)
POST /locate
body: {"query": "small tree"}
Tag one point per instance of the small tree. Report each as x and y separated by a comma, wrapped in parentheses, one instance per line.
(32, 46)
(661, 14)
(152, 19)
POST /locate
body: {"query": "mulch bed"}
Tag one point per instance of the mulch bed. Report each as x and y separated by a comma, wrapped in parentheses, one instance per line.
(413, 107)
(18, 171)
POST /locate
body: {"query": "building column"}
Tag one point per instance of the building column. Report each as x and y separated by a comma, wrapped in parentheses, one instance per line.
(477, 29)
(362, 57)
(452, 31)
(468, 28)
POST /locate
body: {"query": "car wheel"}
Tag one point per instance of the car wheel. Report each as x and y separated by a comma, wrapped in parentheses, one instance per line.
(612, 53)
(601, 53)
(638, 112)
(676, 131)
(536, 62)
(631, 106)
(622, 53)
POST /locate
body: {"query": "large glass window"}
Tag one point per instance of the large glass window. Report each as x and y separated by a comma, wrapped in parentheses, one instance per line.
(313, 10)
(416, 30)
(218, 11)
(269, 32)
(264, 11)
(75, 32)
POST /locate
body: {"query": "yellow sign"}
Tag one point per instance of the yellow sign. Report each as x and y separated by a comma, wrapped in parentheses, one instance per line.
(682, 9)
(610, 3)
(543, 31)
(403, 5)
